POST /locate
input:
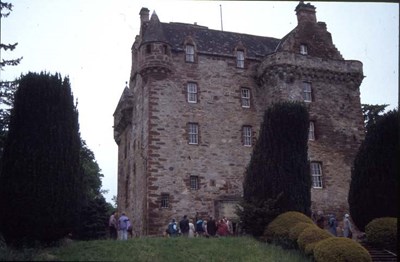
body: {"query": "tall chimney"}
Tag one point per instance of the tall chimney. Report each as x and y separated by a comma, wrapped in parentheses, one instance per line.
(305, 13)
(144, 15)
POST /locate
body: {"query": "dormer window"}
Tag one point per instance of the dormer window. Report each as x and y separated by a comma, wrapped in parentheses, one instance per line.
(303, 49)
(189, 53)
(240, 59)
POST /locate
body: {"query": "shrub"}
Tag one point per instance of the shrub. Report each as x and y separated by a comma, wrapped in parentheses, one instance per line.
(278, 230)
(295, 231)
(382, 232)
(309, 237)
(338, 249)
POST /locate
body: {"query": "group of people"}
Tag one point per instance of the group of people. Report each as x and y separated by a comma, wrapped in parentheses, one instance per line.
(121, 224)
(333, 224)
(199, 227)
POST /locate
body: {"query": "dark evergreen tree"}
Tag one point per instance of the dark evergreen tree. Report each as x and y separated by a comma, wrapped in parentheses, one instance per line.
(41, 177)
(371, 114)
(277, 177)
(374, 183)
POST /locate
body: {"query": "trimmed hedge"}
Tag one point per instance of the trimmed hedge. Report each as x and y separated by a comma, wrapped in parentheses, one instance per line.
(382, 232)
(310, 237)
(295, 231)
(278, 230)
(340, 249)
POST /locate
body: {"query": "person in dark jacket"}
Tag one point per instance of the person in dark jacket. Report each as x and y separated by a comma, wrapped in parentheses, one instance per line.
(184, 226)
(211, 227)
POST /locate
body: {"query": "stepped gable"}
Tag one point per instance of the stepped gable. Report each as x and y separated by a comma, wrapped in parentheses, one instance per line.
(208, 41)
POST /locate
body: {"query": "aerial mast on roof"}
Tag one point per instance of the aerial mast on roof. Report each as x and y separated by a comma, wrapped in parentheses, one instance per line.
(220, 11)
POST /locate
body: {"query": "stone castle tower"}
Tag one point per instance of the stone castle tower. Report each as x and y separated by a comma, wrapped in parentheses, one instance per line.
(187, 123)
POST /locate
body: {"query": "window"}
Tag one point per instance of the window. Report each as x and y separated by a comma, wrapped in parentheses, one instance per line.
(164, 200)
(245, 97)
(316, 174)
(247, 135)
(303, 49)
(148, 49)
(192, 92)
(190, 53)
(307, 92)
(194, 182)
(240, 59)
(311, 131)
(193, 133)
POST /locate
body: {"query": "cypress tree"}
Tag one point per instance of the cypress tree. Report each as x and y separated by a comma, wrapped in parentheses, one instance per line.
(374, 184)
(40, 177)
(277, 178)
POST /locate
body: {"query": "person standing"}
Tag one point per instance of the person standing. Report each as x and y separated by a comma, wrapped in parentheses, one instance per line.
(199, 227)
(320, 220)
(184, 226)
(211, 227)
(347, 230)
(332, 223)
(172, 229)
(112, 225)
(123, 223)
(191, 228)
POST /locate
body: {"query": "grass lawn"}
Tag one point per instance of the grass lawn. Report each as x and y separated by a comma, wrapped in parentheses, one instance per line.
(170, 249)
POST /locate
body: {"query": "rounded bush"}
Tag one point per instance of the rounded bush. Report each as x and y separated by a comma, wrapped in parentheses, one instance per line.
(382, 232)
(295, 231)
(340, 249)
(309, 237)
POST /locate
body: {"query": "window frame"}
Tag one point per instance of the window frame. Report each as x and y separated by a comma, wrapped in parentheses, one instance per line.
(307, 92)
(193, 133)
(189, 53)
(245, 99)
(311, 131)
(316, 174)
(164, 200)
(194, 182)
(192, 95)
(240, 58)
(303, 49)
(247, 136)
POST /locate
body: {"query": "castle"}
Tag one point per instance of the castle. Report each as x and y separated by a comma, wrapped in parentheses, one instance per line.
(187, 123)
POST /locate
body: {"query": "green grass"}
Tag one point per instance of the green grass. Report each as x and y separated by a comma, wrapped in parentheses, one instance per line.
(170, 249)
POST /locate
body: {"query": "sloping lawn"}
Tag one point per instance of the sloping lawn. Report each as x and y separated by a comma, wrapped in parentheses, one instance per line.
(171, 249)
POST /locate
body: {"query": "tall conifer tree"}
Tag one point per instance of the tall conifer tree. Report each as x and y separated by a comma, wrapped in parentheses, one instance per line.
(41, 174)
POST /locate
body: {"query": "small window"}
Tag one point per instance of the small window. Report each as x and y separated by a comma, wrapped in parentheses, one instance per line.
(247, 135)
(164, 200)
(245, 97)
(316, 174)
(307, 92)
(240, 59)
(194, 182)
(148, 49)
(303, 49)
(190, 53)
(165, 49)
(193, 133)
(311, 131)
(192, 92)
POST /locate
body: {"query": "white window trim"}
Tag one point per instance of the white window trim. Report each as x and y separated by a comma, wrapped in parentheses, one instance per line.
(247, 136)
(316, 174)
(303, 49)
(193, 134)
(189, 53)
(311, 131)
(245, 95)
(192, 93)
(240, 59)
(307, 92)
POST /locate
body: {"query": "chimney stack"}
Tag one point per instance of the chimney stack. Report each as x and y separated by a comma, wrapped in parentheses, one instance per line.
(305, 13)
(144, 15)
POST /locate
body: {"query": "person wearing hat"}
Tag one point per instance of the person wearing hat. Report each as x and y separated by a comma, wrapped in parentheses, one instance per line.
(347, 230)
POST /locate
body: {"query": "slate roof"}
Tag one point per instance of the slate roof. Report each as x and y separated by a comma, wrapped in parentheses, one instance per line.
(207, 40)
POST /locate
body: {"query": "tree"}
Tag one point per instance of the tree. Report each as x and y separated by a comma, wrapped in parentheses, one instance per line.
(277, 178)
(374, 181)
(372, 113)
(41, 175)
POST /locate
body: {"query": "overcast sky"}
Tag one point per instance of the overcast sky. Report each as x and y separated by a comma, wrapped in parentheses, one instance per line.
(90, 41)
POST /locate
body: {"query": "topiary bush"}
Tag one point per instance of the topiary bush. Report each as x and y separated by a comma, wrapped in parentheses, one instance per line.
(309, 237)
(278, 230)
(296, 230)
(382, 232)
(340, 249)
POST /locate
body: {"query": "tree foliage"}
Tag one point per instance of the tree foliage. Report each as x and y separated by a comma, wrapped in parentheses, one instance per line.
(41, 176)
(374, 185)
(277, 176)
(372, 113)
